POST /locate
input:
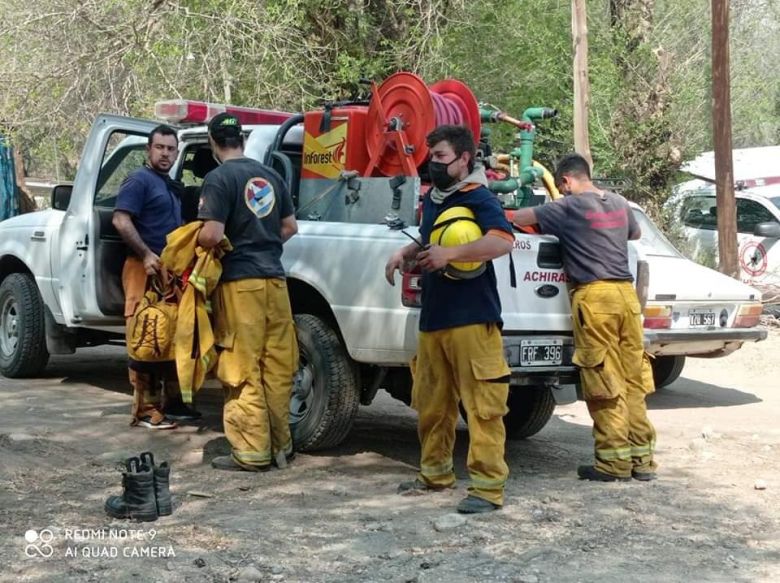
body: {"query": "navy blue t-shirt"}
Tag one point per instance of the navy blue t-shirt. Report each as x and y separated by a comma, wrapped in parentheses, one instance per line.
(155, 209)
(449, 303)
(251, 200)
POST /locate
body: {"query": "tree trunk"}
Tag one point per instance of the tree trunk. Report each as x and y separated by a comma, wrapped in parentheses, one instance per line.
(26, 200)
(721, 130)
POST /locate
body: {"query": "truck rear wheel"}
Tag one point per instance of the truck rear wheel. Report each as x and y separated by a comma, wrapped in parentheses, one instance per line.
(326, 392)
(530, 408)
(22, 327)
(666, 369)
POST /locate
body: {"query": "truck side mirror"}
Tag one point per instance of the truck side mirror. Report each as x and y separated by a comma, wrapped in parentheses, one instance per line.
(60, 196)
(770, 229)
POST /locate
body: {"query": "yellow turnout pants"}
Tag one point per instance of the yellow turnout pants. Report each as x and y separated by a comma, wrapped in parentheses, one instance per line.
(464, 364)
(615, 374)
(259, 358)
(145, 377)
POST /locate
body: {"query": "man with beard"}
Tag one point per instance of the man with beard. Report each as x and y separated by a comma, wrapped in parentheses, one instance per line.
(148, 207)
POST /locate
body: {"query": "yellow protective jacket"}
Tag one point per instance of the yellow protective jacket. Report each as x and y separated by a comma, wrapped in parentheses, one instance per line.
(194, 338)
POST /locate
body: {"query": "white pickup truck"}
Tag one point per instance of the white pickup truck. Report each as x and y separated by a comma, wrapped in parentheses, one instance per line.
(60, 286)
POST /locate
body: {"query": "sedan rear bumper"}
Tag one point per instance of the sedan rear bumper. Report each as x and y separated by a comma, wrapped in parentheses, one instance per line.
(714, 343)
(722, 334)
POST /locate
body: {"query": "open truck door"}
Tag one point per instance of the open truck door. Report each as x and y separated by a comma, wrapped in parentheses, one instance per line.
(90, 252)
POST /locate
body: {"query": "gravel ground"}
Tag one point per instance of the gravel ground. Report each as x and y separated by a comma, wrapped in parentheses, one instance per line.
(334, 516)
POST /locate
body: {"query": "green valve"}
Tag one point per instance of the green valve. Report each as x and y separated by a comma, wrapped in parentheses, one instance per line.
(504, 186)
(536, 113)
(487, 115)
(529, 175)
(508, 185)
(527, 148)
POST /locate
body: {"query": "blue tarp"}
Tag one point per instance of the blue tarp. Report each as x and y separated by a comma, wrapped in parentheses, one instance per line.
(9, 200)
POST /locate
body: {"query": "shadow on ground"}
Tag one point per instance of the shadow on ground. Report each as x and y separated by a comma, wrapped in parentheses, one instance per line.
(688, 393)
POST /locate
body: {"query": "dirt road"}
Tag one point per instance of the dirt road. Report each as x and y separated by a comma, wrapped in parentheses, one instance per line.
(334, 516)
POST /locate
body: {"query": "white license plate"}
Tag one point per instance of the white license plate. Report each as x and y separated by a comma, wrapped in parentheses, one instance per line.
(701, 318)
(542, 352)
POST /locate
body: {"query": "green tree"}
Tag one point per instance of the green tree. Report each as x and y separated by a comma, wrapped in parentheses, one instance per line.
(64, 61)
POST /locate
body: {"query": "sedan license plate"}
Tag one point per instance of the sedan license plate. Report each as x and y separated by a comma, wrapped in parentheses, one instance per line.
(542, 352)
(701, 318)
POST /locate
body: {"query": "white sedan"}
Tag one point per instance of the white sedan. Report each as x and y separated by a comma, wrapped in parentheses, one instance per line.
(689, 309)
(758, 231)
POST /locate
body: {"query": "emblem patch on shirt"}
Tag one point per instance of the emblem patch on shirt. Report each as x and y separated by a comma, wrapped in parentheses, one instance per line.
(260, 197)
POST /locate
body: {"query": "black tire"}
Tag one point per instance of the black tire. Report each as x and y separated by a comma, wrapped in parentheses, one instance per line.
(530, 408)
(22, 327)
(772, 310)
(666, 369)
(326, 393)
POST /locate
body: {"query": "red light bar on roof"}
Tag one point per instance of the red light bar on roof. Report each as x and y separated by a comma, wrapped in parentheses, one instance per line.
(753, 182)
(185, 111)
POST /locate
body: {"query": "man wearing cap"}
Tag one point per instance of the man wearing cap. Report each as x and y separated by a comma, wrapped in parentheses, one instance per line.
(148, 207)
(248, 203)
(460, 353)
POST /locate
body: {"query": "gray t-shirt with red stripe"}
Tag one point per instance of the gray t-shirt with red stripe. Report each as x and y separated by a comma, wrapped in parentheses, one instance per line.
(593, 230)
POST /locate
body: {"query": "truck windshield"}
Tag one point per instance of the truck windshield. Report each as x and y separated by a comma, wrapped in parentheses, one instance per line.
(653, 240)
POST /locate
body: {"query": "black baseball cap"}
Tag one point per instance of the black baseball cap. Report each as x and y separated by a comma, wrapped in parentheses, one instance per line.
(225, 125)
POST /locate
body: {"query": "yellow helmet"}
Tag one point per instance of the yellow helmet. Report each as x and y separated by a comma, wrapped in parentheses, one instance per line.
(457, 226)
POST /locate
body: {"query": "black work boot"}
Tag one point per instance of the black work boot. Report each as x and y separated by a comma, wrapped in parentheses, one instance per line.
(231, 464)
(475, 505)
(643, 476)
(178, 410)
(594, 475)
(162, 484)
(417, 486)
(282, 460)
(137, 500)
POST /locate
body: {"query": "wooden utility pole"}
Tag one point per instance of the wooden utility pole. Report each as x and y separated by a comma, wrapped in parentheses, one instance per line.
(579, 37)
(721, 131)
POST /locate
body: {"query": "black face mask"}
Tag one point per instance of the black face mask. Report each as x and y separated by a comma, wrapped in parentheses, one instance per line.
(439, 176)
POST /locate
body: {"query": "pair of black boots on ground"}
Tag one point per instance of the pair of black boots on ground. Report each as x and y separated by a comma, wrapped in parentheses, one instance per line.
(146, 491)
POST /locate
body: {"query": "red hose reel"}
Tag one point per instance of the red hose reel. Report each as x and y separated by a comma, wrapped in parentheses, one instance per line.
(403, 111)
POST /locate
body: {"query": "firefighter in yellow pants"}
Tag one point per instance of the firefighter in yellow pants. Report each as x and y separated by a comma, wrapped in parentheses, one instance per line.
(147, 208)
(254, 326)
(593, 227)
(460, 356)
(466, 365)
(249, 204)
(615, 376)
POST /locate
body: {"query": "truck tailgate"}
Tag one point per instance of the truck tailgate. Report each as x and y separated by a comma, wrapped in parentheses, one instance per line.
(540, 302)
(538, 344)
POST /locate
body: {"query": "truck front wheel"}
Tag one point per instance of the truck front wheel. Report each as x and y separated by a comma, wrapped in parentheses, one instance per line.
(22, 327)
(326, 392)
